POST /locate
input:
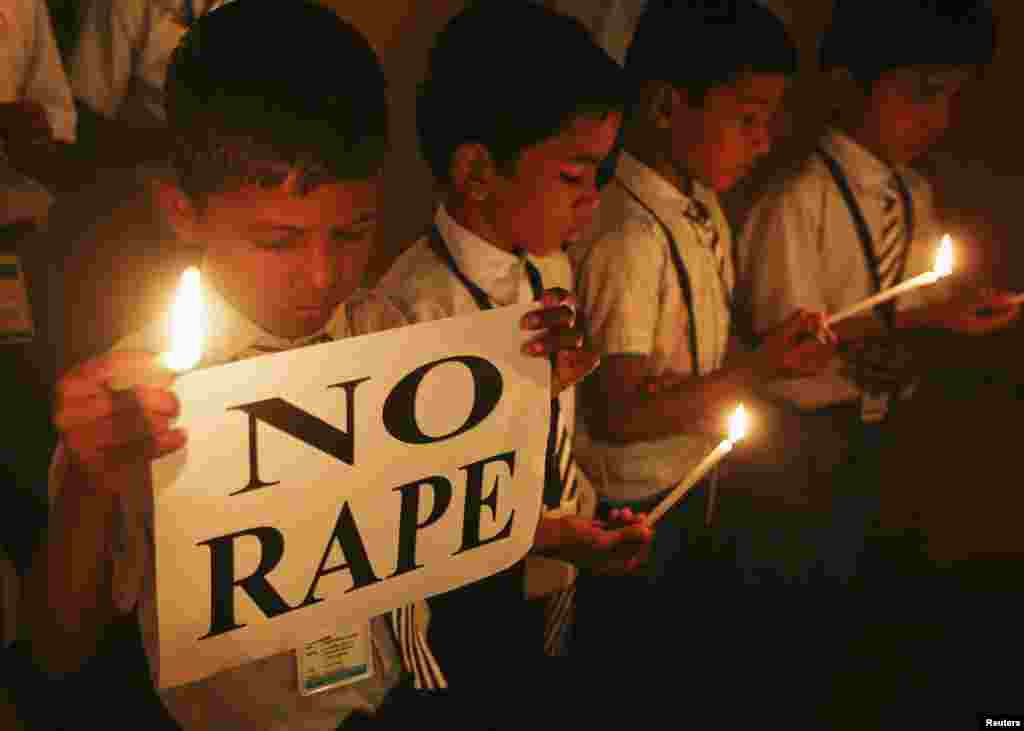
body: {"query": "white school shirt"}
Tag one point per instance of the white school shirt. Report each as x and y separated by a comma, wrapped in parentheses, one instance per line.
(633, 304)
(424, 289)
(611, 22)
(800, 248)
(30, 66)
(262, 694)
(124, 49)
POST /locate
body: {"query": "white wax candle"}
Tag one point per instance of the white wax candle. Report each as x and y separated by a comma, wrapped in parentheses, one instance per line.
(920, 280)
(943, 267)
(187, 327)
(683, 487)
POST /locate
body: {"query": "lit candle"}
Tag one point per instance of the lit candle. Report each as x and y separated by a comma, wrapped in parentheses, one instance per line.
(737, 431)
(943, 268)
(187, 328)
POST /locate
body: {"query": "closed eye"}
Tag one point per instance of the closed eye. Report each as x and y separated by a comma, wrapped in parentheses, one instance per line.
(349, 235)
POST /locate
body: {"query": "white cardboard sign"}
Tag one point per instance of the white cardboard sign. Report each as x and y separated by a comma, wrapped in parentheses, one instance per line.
(335, 482)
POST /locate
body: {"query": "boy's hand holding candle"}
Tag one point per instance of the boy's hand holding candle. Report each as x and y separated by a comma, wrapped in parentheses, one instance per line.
(116, 409)
(987, 312)
(801, 346)
(617, 546)
(737, 432)
(102, 429)
(943, 268)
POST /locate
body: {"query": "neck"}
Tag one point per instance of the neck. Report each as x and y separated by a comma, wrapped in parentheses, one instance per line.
(664, 166)
(648, 146)
(474, 217)
(860, 134)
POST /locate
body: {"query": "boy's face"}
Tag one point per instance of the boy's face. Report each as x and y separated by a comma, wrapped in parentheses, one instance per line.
(909, 109)
(550, 197)
(719, 141)
(286, 260)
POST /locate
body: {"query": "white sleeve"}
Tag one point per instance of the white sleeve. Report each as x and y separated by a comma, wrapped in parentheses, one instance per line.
(129, 540)
(779, 260)
(373, 312)
(45, 81)
(103, 66)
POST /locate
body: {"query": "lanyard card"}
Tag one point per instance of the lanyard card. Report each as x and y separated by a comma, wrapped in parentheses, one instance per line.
(336, 660)
(15, 313)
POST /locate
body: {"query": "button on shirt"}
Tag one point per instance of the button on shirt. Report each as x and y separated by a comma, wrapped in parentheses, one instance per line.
(123, 51)
(262, 694)
(800, 248)
(30, 66)
(629, 290)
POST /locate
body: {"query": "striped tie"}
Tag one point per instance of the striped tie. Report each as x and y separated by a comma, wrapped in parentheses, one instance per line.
(417, 658)
(559, 485)
(892, 247)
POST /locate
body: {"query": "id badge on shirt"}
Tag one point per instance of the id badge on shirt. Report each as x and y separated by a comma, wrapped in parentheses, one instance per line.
(15, 314)
(335, 661)
(873, 407)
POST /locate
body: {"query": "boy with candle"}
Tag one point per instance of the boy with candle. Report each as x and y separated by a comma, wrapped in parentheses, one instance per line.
(655, 278)
(276, 178)
(854, 220)
(518, 165)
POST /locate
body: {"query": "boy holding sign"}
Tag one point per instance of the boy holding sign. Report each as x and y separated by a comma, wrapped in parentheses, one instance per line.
(276, 178)
(518, 163)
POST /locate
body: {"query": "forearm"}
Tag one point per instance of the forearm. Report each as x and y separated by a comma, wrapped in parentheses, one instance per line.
(68, 588)
(684, 408)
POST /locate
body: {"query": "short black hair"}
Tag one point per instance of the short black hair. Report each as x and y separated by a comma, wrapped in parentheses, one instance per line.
(258, 89)
(509, 75)
(697, 45)
(868, 38)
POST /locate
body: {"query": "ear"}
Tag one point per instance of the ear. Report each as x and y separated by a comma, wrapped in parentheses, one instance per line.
(472, 171)
(179, 210)
(662, 101)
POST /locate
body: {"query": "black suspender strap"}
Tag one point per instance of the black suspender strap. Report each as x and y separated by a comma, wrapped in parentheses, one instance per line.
(190, 13)
(887, 309)
(553, 487)
(681, 272)
(439, 248)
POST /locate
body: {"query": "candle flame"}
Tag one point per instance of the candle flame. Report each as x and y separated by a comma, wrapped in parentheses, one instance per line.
(187, 317)
(944, 259)
(738, 424)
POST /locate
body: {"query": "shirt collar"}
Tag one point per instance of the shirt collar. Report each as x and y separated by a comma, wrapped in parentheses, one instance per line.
(229, 333)
(656, 190)
(860, 165)
(496, 271)
(669, 202)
